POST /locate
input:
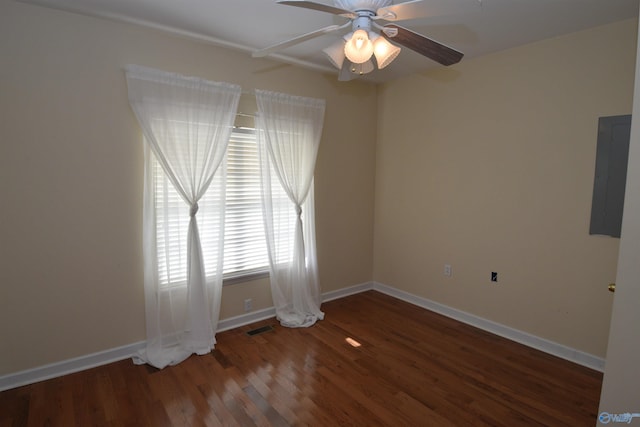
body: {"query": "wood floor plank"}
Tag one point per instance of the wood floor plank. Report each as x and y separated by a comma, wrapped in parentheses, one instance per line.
(14, 406)
(374, 360)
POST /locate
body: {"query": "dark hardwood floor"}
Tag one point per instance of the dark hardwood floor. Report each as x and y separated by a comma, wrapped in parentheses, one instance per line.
(412, 368)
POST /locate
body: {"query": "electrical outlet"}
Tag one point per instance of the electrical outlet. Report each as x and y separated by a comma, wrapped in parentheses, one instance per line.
(447, 270)
(494, 276)
(247, 305)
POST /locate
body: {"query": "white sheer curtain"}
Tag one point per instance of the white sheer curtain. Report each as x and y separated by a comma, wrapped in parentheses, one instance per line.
(186, 123)
(289, 131)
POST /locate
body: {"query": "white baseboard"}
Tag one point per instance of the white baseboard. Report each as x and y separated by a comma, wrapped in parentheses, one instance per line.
(550, 347)
(69, 366)
(81, 363)
(345, 292)
(245, 319)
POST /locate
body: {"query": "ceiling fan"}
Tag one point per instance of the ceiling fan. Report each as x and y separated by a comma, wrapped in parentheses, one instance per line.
(363, 49)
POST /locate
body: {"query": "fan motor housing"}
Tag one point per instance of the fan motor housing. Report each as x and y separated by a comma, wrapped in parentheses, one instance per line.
(355, 5)
(363, 21)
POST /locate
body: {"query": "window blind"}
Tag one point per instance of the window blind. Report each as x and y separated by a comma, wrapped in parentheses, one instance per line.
(245, 251)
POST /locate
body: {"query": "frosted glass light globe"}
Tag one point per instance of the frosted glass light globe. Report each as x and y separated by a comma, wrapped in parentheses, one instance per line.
(385, 52)
(359, 49)
(335, 52)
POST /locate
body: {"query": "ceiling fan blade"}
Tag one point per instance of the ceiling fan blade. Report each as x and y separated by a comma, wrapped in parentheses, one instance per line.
(288, 43)
(427, 8)
(319, 6)
(421, 44)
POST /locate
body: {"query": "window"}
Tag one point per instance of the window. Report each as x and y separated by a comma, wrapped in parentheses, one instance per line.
(245, 251)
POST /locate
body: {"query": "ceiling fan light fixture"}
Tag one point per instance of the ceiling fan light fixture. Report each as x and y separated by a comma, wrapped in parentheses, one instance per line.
(335, 53)
(359, 48)
(385, 52)
(364, 68)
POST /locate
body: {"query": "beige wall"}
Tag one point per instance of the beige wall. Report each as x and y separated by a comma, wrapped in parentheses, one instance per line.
(488, 166)
(71, 179)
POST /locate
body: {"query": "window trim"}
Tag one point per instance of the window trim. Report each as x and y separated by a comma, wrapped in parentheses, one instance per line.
(245, 276)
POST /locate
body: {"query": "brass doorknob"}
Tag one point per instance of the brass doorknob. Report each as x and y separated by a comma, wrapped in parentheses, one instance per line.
(612, 287)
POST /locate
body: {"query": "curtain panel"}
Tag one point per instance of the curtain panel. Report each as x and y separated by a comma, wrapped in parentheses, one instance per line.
(186, 123)
(289, 130)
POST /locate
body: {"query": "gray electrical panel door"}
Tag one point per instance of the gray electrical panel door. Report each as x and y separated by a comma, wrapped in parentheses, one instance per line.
(612, 154)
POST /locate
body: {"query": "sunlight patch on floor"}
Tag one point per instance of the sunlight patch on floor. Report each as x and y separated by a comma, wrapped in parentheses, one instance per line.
(352, 342)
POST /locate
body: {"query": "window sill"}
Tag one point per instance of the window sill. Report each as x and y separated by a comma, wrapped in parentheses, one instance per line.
(244, 276)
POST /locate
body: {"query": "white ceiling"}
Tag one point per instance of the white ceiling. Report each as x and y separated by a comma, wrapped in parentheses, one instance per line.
(249, 25)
